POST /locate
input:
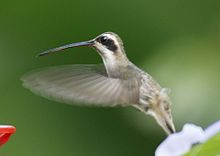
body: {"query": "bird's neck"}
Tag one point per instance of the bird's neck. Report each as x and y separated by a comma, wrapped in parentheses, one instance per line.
(116, 67)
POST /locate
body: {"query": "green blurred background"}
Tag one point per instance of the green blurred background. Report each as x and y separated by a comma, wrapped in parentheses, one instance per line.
(176, 41)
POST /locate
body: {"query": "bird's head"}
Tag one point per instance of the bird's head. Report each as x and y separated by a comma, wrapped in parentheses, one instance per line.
(107, 44)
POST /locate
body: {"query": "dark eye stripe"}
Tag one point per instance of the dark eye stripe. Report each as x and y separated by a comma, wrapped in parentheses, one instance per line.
(109, 43)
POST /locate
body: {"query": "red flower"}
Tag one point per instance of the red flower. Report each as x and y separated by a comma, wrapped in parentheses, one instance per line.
(5, 132)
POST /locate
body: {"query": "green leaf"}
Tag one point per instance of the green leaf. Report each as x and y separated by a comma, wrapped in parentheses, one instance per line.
(209, 148)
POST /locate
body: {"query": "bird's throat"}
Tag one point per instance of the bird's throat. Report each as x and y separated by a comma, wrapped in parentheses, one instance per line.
(115, 67)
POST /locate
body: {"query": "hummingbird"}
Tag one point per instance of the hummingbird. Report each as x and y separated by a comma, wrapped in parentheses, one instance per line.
(116, 82)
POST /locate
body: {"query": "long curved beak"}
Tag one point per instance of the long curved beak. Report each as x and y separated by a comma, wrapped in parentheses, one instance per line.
(79, 44)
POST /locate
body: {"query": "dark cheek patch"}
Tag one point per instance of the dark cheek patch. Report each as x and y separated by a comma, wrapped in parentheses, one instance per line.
(111, 45)
(108, 43)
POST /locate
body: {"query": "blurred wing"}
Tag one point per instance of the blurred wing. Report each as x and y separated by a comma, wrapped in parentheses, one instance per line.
(85, 84)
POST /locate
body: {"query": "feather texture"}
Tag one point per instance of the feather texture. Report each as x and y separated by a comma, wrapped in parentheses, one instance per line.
(82, 84)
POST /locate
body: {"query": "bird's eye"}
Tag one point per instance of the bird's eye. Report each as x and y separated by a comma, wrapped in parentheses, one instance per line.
(107, 42)
(103, 39)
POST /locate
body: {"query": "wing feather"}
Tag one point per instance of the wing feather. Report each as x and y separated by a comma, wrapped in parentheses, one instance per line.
(81, 84)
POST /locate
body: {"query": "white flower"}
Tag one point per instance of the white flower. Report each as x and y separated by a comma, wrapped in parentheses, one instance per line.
(211, 130)
(179, 143)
